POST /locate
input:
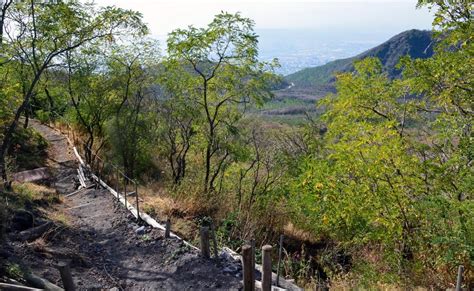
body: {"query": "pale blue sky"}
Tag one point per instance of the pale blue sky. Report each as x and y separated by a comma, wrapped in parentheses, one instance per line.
(379, 16)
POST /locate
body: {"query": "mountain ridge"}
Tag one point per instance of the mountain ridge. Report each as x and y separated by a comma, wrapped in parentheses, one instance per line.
(320, 79)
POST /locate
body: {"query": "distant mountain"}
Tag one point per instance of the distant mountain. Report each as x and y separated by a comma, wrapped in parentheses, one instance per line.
(319, 80)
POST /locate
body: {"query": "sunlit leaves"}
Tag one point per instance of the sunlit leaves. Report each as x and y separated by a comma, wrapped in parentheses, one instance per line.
(386, 162)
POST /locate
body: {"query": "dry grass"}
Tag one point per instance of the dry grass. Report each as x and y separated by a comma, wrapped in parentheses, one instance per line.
(34, 193)
(33, 190)
(181, 205)
(185, 228)
(44, 197)
(157, 203)
(39, 245)
(347, 283)
(290, 230)
(58, 215)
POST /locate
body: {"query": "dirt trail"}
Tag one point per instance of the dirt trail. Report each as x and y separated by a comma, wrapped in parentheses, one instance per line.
(59, 151)
(101, 239)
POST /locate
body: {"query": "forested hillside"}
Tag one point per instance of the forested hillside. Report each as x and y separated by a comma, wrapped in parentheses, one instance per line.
(374, 193)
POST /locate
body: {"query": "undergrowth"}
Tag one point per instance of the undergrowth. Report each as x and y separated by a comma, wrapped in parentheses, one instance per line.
(28, 150)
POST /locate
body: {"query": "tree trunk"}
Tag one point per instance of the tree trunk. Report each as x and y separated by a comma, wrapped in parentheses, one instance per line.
(209, 141)
(27, 117)
(3, 12)
(208, 168)
(3, 170)
(50, 99)
(208, 187)
(1, 28)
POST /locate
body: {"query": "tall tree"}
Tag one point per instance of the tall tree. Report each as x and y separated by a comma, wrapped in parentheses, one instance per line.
(39, 36)
(221, 60)
(89, 92)
(177, 118)
(132, 70)
(4, 5)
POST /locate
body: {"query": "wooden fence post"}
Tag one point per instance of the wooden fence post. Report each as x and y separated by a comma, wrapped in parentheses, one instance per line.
(214, 240)
(279, 260)
(95, 169)
(66, 276)
(138, 207)
(459, 279)
(118, 185)
(205, 250)
(266, 268)
(103, 174)
(125, 191)
(248, 270)
(252, 244)
(168, 228)
(100, 174)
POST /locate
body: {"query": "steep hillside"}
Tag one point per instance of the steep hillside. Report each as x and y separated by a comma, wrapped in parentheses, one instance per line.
(415, 43)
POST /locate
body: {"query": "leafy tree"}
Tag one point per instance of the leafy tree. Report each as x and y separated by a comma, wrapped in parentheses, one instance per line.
(176, 118)
(39, 36)
(132, 70)
(89, 92)
(260, 177)
(454, 16)
(3, 12)
(394, 171)
(446, 83)
(222, 67)
(361, 188)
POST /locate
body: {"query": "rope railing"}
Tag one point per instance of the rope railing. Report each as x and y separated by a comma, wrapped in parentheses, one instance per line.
(106, 171)
(141, 216)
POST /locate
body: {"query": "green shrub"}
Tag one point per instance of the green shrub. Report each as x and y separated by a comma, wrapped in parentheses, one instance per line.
(28, 149)
(43, 116)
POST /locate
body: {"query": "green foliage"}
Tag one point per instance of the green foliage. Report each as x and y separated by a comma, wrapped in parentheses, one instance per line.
(220, 67)
(40, 39)
(177, 121)
(132, 72)
(361, 162)
(29, 149)
(9, 88)
(395, 171)
(226, 232)
(297, 265)
(14, 271)
(134, 154)
(43, 116)
(454, 15)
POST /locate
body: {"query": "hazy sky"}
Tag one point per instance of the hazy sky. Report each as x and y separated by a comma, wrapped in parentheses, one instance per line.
(351, 15)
